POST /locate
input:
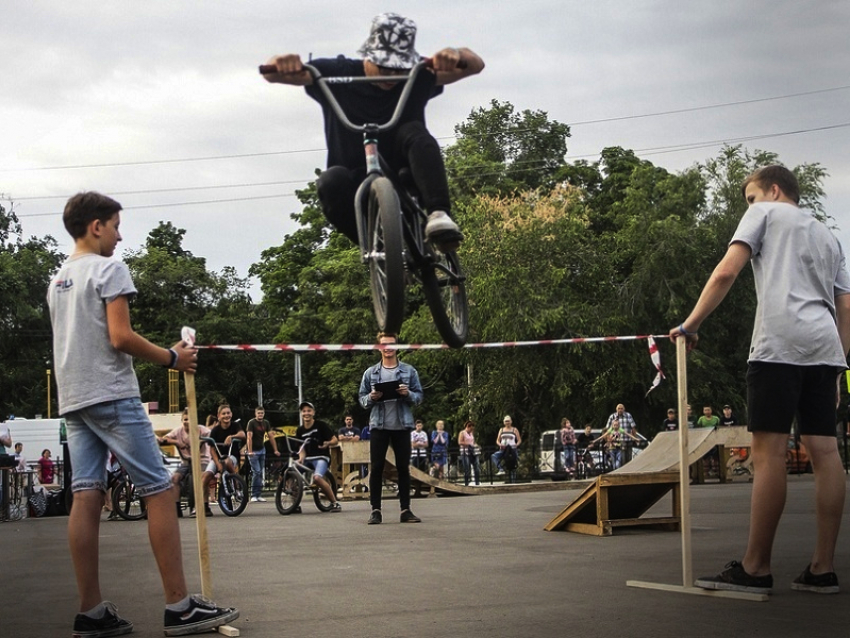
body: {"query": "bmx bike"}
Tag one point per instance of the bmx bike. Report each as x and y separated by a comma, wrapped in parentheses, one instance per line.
(296, 479)
(391, 225)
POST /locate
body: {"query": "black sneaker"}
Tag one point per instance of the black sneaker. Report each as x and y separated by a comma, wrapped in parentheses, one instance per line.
(110, 625)
(336, 507)
(818, 583)
(409, 517)
(208, 511)
(734, 578)
(202, 615)
(375, 518)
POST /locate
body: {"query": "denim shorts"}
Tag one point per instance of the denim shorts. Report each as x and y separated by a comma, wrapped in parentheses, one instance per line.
(320, 466)
(123, 427)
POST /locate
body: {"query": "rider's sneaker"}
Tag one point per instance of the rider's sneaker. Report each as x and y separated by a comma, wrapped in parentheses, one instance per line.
(735, 578)
(201, 615)
(826, 583)
(192, 513)
(111, 624)
(336, 507)
(442, 231)
(208, 510)
(375, 518)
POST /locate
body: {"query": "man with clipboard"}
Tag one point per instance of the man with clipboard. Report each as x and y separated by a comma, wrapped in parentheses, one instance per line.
(389, 389)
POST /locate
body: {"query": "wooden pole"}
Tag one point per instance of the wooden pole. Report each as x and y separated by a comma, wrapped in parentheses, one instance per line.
(684, 466)
(687, 586)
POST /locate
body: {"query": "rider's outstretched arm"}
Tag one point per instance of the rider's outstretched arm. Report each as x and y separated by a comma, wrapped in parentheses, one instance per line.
(452, 64)
(290, 70)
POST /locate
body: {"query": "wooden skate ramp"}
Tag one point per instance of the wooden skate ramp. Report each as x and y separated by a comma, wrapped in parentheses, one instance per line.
(622, 497)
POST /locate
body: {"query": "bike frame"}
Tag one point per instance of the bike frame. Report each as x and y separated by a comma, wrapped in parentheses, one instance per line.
(413, 217)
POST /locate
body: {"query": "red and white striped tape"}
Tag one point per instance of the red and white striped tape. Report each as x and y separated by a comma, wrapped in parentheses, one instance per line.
(338, 347)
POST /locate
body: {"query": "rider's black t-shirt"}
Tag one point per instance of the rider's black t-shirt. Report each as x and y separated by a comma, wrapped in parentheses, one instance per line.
(313, 438)
(219, 434)
(363, 102)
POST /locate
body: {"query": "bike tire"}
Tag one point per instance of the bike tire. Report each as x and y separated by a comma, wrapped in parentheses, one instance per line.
(289, 492)
(385, 255)
(126, 503)
(232, 494)
(323, 502)
(444, 286)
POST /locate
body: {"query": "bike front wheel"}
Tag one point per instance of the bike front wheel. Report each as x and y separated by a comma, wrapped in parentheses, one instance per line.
(128, 505)
(232, 494)
(290, 491)
(443, 283)
(322, 501)
(385, 255)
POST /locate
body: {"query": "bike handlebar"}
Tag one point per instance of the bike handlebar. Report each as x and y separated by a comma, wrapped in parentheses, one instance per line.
(322, 82)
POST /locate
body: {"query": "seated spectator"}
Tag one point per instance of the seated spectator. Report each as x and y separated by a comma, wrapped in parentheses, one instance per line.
(179, 437)
(508, 436)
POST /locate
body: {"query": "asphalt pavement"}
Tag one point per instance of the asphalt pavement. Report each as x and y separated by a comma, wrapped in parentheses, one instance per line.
(477, 566)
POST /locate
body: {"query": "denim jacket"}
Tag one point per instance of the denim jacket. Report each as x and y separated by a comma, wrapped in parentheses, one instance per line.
(405, 373)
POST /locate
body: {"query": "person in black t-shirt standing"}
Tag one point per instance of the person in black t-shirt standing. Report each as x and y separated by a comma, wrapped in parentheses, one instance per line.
(389, 50)
(317, 438)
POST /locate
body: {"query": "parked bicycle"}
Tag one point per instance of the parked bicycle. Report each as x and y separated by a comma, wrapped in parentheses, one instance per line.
(295, 479)
(391, 226)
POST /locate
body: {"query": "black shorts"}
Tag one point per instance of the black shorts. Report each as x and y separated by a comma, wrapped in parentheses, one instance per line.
(778, 392)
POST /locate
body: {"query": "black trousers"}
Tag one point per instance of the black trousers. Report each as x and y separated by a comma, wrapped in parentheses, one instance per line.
(412, 146)
(379, 443)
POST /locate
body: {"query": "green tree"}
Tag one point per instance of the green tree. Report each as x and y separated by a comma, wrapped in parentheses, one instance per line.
(26, 266)
(175, 289)
(500, 151)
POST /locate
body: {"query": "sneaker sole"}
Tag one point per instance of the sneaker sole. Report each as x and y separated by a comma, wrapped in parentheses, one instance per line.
(711, 584)
(203, 625)
(829, 589)
(105, 633)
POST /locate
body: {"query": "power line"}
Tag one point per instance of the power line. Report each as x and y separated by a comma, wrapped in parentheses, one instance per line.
(319, 150)
(514, 167)
(709, 106)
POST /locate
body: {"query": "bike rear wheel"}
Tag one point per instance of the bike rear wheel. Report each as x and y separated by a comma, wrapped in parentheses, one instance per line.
(444, 286)
(385, 255)
(126, 503)
(232, 494)
(323, 502)
(290, 490)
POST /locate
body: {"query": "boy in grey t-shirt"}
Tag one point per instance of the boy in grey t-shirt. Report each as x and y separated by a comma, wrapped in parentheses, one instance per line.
(94, 345)
(800, 342)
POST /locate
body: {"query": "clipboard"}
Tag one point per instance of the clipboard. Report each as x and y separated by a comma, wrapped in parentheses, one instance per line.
(388, 390)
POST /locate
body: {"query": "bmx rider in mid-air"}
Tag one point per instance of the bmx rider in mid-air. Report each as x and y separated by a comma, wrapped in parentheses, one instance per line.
(388, 51)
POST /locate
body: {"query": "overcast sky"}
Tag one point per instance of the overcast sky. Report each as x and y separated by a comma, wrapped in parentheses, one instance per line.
(159, 103)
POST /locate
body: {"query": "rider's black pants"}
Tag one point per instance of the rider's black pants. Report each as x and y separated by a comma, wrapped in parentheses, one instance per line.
(379, 442)
(412, 146)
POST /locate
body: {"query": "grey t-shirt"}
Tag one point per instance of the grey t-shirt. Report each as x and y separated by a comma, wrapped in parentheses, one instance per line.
(89, 370)
(799, 270)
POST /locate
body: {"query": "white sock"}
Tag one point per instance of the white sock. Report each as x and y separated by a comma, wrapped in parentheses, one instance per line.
(96, 612)
(180, 605)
